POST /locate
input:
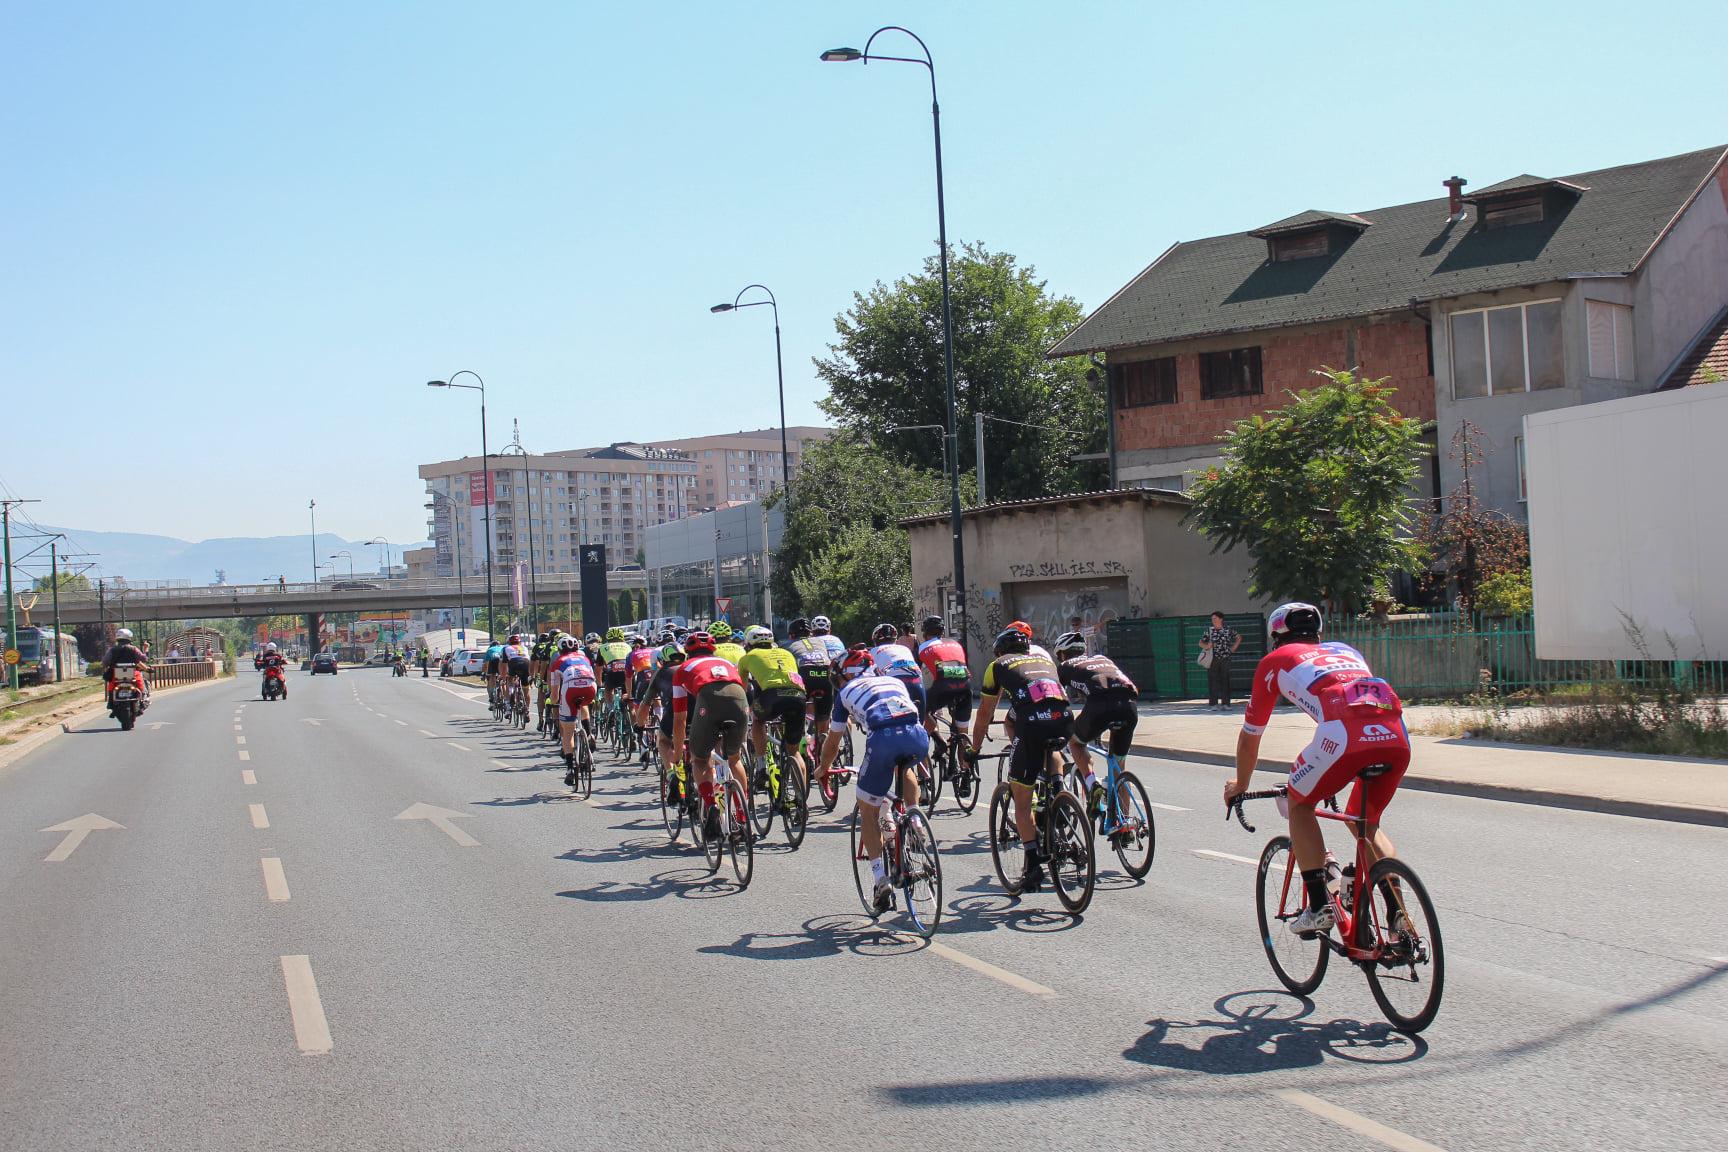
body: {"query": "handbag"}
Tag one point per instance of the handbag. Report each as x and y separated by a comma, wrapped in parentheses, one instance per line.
(1205, 658)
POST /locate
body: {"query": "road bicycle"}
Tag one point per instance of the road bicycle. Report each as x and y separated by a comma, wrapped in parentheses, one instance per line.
(777, 785)
(518, 704)
(731, 804)
(674, 795)
(580, 775)
(497, 702)
(648, 739)
(910, 856)
(1063, 832)
(841, 772)
(1387, 927)
(1125, 815)
(615, 731)
(951, 760)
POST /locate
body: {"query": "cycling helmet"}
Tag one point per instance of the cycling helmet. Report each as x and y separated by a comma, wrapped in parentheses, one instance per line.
(1011, 639)
(667, 636)
(591, 638)
(671, 654)
(1293, 619)
(123, 634)
(515, 638)
(798, 629)
(821, 625)
(1070, 642)
(721, 631)
(638, 642)
(613, 635)
(699, 644)
(757, 636)
(883, 634)
(1022, 627)
(933, 627)
(269, 647)
(567, 643)
(856, 662)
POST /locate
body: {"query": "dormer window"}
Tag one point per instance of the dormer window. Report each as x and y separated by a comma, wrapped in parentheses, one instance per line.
(1310, 234)
(1503, 213)
(1301, 245)
(1523, 200)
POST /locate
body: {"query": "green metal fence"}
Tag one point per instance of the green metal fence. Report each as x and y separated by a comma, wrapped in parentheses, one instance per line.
(1160, 654)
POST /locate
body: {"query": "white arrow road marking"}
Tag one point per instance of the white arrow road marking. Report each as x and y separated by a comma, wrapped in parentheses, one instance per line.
(159, 724)
(1361, 1125)
(259, 820)
(314, 721)
(275, 880)
(311, 1030)
(76, 829)
(1225, 856)
(440, 818)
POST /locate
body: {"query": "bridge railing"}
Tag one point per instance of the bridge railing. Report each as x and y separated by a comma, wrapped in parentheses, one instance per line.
(559, 583)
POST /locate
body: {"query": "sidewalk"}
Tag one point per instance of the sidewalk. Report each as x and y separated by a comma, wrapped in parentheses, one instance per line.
(1654, 787)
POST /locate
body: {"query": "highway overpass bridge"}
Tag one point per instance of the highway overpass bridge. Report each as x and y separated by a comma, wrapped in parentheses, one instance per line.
(115, 601)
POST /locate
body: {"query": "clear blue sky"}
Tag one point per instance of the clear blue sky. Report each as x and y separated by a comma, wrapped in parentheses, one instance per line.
(232, 231)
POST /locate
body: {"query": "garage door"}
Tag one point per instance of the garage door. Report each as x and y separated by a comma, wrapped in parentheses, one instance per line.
(1049, 606)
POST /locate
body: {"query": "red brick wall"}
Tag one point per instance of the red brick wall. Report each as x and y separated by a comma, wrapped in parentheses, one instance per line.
(1397, 349)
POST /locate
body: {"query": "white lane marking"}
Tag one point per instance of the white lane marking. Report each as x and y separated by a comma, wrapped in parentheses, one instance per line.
(500, 763)
(1225, 856)
(245, 755)
(1717, 959)
(76, 830)
(259, 820)
(461, 747)
(237, 728)
(311, 1030)
(427, 734)
(440, 819)
(404, 723)
(1361, 1125)
(1168, 807)
(247, 776)
(275, 880)
(239, 739)
(985, 968)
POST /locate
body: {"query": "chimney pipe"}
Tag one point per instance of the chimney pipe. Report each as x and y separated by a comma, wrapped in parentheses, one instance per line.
(1455, 198)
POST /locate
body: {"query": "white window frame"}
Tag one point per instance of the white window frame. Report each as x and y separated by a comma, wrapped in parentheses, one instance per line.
(1488, 348)
(1616, 310)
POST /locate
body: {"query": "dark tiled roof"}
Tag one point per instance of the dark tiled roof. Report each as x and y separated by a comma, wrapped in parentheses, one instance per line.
(1522, 183)
(1226, 284)
(1705, 360)
(1303, 221)
(1145, 495)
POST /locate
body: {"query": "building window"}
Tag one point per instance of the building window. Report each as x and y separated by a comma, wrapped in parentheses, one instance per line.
(1301, 246)
(1610, 339)
(1143, 382)
(1512, 349)
(1232, 373)
(1523, 477)
(1509, 212)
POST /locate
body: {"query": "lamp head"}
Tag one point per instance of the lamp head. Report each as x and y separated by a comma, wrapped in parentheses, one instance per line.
(437, 383)
(841, 55)
(722, 308)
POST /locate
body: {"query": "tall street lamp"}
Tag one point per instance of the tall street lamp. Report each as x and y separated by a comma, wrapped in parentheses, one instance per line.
(312, 507)
(847, 55)
(485, 481)
(383, 554)
(779, 372)
(456, 545)
(350, 556)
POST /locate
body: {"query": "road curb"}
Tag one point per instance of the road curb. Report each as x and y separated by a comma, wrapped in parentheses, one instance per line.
(1511, 793)
(12, 753)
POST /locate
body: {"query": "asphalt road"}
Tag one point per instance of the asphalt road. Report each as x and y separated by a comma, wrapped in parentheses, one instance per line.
(265, 956)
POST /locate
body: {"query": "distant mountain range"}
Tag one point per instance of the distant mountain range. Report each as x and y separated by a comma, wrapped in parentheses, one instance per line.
(240, 559)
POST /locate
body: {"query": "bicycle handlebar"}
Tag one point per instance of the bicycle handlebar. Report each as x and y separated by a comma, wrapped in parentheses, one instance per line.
(1235, 806)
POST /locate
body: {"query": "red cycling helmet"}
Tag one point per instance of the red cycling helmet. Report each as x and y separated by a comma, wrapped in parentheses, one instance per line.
(699, 644)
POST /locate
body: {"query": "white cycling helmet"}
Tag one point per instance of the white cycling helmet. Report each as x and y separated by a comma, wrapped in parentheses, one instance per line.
(821, 625)
(1293, 619)
(1070, 642)
(756, 635)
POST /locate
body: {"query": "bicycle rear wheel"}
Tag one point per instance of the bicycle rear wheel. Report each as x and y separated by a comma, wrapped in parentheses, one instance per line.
(1410, 976)
(939, 768)
(1299, 964)
(584, 765)
(757, 770)
(713, 847)
(920, 873)
(929, 783)
(671, 811)
(1135, 838)
(967, 781)
(740, 838)
(861, 876)
(794, 800)
(1073, 865)
(1007, 852)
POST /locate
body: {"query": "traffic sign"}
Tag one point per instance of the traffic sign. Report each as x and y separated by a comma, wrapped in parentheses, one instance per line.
(11, 655)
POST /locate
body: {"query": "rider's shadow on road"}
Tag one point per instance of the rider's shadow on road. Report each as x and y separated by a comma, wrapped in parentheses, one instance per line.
(1268, 1031)
(681, 882)
(993, 909)
(820, 937)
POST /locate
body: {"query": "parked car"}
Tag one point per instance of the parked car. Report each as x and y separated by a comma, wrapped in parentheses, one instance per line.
(379, 659)
(352, 586)
(468, 662)
(324, 662)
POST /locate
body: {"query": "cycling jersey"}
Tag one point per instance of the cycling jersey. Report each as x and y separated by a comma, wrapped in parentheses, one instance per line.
(641, 660)
(1085, 677)
(697, 673)
(730, 652)
(875, 701)
(514, 652)
(769, 668)
(614, 655)
(541, 652)
(894, 660)
(1031, 684)
(492, 655)
(662, 687)
(813, 652)
(944, 660)
(571, 664)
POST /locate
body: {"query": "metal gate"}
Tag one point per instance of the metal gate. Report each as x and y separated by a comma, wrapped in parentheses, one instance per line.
(1161, 655)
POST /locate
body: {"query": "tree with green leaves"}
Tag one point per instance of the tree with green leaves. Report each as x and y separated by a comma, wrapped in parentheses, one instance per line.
(886, 371)
(1318, 492)
(69, 582)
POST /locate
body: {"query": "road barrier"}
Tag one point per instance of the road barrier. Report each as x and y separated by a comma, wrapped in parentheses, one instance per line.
(183, 672)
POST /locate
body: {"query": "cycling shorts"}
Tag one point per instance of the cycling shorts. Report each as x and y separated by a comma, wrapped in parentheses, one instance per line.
(519, 671)
(820, 692)
(492, 667)
(640, 685)
(1112, 711)
(785, 705)
(666, 717)
(717, 704)
(575, 698)
(614, 679)
(1034, 740)
(954, 695)
(885, 748)
(1340, 751)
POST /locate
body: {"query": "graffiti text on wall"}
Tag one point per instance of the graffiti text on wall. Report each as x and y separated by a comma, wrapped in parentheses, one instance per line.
(1068, 568)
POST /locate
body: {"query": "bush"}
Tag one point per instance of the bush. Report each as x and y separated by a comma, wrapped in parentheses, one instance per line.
(1505, 594)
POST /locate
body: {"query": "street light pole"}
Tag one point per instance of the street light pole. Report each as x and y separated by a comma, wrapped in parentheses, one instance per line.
(516, 448)
(312, 507)
(779, 373)
(845, 55)
(485, 479)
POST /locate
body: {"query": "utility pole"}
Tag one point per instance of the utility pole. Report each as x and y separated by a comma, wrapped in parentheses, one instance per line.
(54, 575)
(11, 602)
(978, 437)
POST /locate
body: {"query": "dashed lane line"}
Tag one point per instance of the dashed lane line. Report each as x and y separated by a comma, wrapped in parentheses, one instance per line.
(1233, 858)
(245, 755)
(404, 723)
(461, 747)
(259, 819)
(1168, 807)
(239, 739)
(985, 968)
(311, 1030)
(427, 734)
(1359, 1124)
(237, 728)
(275, 880)
(247, 776)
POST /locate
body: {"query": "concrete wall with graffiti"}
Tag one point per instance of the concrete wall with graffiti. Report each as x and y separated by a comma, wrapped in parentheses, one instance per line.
(1094, 558)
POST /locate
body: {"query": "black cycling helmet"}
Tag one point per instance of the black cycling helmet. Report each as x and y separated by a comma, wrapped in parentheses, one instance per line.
(883, 634)
(1012, 640)
(798, 629)
(933, 626)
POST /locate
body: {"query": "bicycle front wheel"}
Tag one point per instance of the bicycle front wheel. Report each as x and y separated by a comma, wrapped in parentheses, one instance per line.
(861, 875)
(757, 771)
(1409, 976)
(740, 839)
(1007, 852)
(671, 811)
(794, 802)
(920, 873)
(1299, 964)
(1135, 838)
(1073, 865)
(713, 847)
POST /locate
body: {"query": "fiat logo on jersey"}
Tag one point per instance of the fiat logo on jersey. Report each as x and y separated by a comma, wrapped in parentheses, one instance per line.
(1372, 733)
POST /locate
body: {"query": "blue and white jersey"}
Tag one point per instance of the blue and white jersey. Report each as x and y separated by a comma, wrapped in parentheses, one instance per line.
(875, 701)
(894, 660)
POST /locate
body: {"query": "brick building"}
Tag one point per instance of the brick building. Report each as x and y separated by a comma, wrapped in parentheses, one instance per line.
(1528, 295)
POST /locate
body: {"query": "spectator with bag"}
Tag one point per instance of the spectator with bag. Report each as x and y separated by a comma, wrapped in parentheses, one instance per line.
(1218, 645)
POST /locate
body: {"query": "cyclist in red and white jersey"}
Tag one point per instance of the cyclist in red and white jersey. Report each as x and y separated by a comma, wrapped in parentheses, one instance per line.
(1360, 722)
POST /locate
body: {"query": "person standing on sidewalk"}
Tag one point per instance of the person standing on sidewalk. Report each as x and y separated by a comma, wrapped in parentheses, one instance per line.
(1221, 641)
